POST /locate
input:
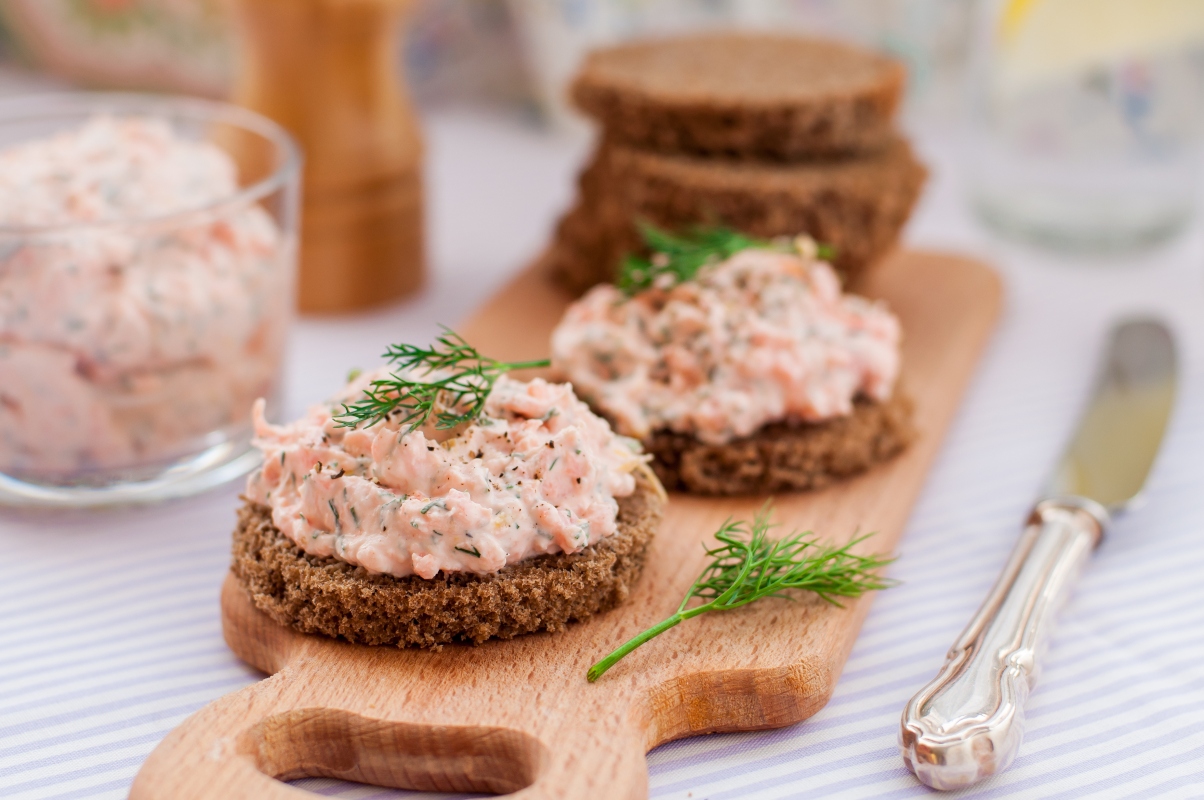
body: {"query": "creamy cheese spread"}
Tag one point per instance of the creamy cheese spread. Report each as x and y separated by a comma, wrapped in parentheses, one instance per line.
(762, 337)
(537, 473)
(125, 341)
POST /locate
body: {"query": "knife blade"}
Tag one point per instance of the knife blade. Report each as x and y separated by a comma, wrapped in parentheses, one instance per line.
(968, 722)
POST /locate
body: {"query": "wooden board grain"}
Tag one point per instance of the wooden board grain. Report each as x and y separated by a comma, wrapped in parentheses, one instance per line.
(519, 716)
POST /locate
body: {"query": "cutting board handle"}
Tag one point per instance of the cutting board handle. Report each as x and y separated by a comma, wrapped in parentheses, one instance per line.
(326, 713)
(230, 749)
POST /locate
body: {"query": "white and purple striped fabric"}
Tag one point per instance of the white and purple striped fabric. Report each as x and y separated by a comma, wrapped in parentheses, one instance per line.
(109, 630)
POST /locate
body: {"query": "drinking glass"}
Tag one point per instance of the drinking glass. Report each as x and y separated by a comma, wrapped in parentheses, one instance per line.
(1085, 119)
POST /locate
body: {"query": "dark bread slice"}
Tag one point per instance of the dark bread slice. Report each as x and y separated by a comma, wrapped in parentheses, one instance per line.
(598, 210)
(742, 95)
(331, 597)
(856, 205)
(784, 456)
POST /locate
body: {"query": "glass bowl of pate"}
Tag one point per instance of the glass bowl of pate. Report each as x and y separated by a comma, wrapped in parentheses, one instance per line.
(148, 250)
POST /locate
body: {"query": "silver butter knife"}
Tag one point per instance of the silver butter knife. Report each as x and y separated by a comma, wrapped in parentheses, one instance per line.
(968, 722)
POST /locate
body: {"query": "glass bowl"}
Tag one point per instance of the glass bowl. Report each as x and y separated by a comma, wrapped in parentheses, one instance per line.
(140, 317)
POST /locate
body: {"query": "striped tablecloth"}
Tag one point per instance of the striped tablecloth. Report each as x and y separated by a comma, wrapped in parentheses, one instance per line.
(109, 629)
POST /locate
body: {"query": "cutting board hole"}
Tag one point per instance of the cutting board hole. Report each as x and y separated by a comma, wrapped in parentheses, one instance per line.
(350, 790)
(328, 743)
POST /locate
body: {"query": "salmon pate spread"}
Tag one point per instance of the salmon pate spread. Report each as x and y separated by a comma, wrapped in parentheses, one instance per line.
(536, 473)
(763, 336)
(129, 336)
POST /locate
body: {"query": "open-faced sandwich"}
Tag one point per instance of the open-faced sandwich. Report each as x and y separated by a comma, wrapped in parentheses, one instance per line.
(740, 365)
(437, 501)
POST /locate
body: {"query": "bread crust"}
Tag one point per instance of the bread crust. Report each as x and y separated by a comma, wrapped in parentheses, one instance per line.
(333, 598)
(856, 205)
(742, 95)
(785, 456)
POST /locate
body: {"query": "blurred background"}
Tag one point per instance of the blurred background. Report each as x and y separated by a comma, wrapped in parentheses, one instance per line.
(514, 55)
(1083, 118)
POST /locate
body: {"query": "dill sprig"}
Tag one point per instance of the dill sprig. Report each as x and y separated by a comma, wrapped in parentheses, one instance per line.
(748, 566)
(455, 398)
(681, 256)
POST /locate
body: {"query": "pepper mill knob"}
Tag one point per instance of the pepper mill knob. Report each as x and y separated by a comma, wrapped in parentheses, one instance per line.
(327, 70)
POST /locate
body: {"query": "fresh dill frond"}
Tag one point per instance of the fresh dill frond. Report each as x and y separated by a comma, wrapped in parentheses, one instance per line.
(681, 256)
(454, 398)
(748, 566)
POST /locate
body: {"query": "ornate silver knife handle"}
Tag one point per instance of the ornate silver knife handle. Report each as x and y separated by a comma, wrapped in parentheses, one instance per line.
(968, 722)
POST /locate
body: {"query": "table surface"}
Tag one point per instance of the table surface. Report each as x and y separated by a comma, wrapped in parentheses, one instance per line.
(109, 624)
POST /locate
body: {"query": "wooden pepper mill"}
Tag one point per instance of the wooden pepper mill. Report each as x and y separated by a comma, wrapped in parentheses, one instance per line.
(328, 71)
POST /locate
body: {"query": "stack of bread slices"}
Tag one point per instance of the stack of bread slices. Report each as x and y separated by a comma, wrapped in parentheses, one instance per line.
(769, 135)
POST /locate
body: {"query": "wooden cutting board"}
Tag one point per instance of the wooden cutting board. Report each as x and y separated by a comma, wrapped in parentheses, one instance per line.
(519, 716)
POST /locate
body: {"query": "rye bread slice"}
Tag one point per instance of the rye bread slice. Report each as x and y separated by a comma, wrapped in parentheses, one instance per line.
(785, 456)
(742, 95)
(856, 205)
(331, 597)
